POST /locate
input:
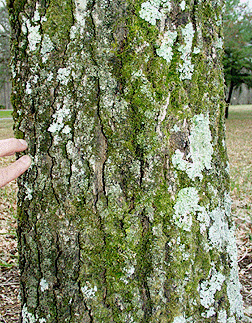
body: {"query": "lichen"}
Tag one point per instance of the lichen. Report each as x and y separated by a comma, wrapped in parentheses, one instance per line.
(186, 204)
(60, 117)
(63, 75)
(165, 50)
(179, 319)
(43, 285)
(183, 5)
(46, 47)
(186, 69)
(28, 317)
(89, 291)
(201, 149)
(34, 36)
(209, 287)
(154, 10)
(222, 316)
(132, 226)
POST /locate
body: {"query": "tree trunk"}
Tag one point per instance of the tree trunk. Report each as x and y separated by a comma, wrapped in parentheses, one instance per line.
(228, 100)
(124, 215)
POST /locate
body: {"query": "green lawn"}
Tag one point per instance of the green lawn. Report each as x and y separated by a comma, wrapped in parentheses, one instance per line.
(5, 114)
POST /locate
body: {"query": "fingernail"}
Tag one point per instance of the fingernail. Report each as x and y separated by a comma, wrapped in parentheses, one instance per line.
(27, 159)
(23, 142)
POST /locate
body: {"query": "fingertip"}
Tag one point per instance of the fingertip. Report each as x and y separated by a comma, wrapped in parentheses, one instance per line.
(23, 142)
(26, 160)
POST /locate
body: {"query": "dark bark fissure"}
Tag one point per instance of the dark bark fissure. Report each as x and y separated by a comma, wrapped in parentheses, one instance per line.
(57, 283)
(144, 268)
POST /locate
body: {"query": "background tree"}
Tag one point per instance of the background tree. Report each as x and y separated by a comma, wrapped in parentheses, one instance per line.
(124, 215)
(4, 54)
(237, 47)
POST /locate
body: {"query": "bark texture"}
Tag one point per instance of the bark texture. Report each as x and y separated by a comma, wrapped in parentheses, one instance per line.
(124, 215)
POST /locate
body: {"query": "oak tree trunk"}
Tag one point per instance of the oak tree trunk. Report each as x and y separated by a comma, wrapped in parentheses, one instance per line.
(124, 215)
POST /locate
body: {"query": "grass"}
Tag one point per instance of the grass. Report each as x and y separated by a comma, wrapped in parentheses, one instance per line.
(239, 131)
(5, 113)
(6, 128)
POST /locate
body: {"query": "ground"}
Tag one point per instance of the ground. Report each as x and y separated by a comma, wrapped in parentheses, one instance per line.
(239, 131)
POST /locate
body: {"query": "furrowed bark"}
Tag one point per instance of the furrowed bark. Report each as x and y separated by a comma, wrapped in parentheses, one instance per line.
(124, 215)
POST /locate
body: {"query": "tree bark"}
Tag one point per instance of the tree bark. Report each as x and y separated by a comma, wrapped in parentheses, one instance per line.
(124, 215)
(228, 100)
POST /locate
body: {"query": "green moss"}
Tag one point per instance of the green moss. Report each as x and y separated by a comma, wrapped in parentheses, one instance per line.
(59, 21)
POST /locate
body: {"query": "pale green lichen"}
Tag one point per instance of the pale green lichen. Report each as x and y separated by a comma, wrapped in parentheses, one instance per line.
(63, 75)
(179, 319)
(222, 316)
(43, 285)
(167, 43)
(154, 10)
(88, 291)
(60, 117)
(183, 5)
(233, 293)
(34, 36)
(28, 317)
(32, 29)
(46, 48)
(80, 12)
(186, 205)
(222, 238)
(209, 287)
(201, 149)
(186, 69)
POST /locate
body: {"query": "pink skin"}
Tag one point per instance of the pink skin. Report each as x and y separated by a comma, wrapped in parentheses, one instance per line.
(9, 147)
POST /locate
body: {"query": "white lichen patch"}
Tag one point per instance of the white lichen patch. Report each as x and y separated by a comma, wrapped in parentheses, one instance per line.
(80, 11)
(167, 43)
(28, 317)
(185, 206)
(179, 319)
(60, 117)
(222, 316)
(46, 48)
(63, 75)
(34, 36)
(88, 291)
(209, 287)
(233, 293)
(222, 238)
(183, 5)
(150, 11)
(186, 68)
(154, 10)
(43, 285)
(36, 16)
(28, 89)
(204, 219)
(201, 149)
(28, 191)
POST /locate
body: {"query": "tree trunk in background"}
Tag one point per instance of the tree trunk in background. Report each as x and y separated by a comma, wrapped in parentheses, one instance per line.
(228, 100)
(124, 215)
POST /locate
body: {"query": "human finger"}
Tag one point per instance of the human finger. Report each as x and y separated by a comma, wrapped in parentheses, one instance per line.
(11, 146)
(14, 170)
